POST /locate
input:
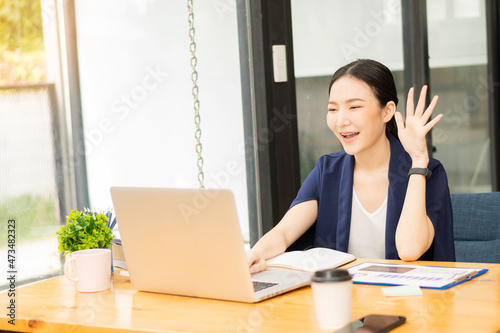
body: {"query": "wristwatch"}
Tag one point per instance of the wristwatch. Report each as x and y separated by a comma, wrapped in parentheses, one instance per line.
(420, 171)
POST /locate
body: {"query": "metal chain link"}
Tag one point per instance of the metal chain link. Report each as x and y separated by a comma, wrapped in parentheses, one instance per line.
(194, 79)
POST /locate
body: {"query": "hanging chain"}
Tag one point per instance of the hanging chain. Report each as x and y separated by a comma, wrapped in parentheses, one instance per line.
(194, 79)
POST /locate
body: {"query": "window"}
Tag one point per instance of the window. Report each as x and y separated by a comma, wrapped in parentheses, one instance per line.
(458, 74)
(137, 97)
(32, 161)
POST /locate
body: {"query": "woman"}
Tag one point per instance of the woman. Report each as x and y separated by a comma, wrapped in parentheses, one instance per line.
(382, 197)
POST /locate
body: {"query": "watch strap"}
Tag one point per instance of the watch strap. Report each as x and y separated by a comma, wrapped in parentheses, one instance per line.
(420, 171)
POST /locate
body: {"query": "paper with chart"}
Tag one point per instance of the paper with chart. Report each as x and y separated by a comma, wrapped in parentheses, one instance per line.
(401, 274)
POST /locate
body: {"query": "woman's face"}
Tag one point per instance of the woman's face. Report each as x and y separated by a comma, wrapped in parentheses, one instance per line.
(355, 115)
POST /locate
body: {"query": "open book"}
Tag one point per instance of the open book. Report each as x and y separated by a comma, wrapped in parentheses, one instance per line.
(311, 260)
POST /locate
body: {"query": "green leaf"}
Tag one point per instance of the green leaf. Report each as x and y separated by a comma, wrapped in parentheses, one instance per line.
(84, 230)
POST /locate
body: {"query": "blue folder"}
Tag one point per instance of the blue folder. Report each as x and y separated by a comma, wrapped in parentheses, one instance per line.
(384, 277)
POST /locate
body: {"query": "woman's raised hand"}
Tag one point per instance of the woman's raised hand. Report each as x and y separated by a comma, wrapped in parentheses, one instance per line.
(412, 132)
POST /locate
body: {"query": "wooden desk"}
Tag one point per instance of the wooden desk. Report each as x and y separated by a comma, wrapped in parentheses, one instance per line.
(54, 306)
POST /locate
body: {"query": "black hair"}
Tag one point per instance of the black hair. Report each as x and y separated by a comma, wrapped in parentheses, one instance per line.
(379, 78)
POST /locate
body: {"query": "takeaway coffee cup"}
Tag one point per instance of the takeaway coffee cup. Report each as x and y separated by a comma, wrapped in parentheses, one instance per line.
(332, 289)
(91, 269)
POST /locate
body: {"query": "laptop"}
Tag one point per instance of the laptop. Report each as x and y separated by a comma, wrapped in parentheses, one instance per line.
(188, 242)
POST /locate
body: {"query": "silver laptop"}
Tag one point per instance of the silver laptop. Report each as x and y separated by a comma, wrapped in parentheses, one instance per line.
(188, 242)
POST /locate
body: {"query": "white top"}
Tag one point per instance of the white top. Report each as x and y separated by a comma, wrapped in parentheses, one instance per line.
(367, 235)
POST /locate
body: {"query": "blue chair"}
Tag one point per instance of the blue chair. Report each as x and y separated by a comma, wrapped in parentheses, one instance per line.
(476, 225)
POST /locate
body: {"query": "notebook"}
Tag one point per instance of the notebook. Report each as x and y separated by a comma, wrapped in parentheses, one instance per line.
(188, 242)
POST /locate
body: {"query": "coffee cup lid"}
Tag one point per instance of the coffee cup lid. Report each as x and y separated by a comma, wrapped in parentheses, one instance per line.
(331, 275)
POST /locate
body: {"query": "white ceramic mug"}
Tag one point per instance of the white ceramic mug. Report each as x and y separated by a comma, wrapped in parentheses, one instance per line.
(92, 269)
(332, 292)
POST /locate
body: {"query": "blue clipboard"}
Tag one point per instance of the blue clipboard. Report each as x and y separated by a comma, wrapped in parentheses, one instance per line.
(475, 273)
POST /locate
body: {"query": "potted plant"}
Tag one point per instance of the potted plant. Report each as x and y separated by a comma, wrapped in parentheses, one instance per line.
(85, 230)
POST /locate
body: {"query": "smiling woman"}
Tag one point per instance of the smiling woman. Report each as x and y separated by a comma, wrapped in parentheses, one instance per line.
(368, 200)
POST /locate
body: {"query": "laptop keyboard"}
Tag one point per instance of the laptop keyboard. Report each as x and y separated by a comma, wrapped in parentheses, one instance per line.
(262, 285)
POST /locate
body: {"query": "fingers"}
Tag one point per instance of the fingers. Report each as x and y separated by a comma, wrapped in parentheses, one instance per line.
(258, 266)
(255, 262)
(433, 122)
(428, 112)
(252, 257)
(399, 121)
(409, 103)
(419, 110)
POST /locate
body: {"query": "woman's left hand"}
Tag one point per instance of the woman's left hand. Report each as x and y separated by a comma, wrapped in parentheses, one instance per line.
(412, 132)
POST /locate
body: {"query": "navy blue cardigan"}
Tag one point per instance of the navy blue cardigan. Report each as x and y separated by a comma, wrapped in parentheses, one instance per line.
(330, 183)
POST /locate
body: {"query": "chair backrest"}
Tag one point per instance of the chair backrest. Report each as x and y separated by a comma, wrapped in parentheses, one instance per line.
(476, 225)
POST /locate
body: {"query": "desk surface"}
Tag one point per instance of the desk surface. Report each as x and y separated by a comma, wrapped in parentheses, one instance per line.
(55, 306)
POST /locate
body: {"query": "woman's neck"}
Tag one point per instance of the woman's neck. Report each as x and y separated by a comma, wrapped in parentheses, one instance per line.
(376, 157)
